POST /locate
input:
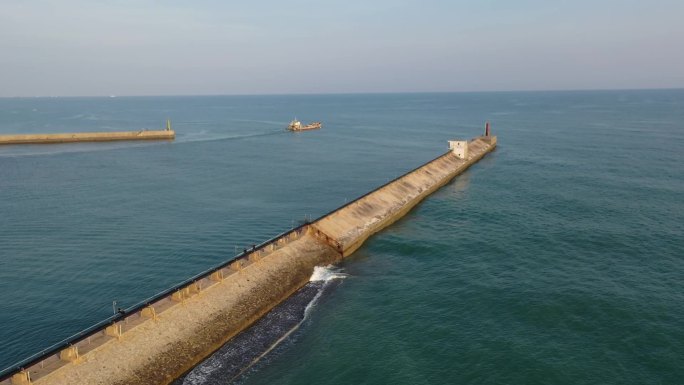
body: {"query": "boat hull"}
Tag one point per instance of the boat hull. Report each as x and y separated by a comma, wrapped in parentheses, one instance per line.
(312, 126)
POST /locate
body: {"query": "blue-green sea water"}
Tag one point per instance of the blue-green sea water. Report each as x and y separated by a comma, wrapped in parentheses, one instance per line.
(557, 259)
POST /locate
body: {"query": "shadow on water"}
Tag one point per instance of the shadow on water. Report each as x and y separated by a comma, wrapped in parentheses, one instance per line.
(241, 353)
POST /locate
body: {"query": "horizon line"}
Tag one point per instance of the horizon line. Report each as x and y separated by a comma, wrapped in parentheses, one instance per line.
(345, 93)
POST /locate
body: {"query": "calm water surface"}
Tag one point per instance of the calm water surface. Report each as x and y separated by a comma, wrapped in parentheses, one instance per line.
(557, 259)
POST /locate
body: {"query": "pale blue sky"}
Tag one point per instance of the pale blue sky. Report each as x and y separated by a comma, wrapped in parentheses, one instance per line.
(172, 47)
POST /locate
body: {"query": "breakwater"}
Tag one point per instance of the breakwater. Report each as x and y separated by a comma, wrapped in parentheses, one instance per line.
(159, 339)
(88, 137)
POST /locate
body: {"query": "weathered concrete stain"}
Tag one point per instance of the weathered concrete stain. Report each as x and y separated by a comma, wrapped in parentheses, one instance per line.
(353, 224)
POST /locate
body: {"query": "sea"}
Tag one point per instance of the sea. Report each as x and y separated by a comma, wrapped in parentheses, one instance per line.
(557, 259)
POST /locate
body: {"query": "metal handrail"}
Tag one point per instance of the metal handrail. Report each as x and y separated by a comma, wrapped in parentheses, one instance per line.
(121, 315)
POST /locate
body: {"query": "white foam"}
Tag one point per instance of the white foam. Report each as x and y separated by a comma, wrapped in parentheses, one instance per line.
(200, 374)
(327, 273)
(321, 274)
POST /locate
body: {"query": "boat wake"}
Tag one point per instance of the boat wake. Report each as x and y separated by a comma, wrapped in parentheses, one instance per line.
(242, 352)
(205, 136)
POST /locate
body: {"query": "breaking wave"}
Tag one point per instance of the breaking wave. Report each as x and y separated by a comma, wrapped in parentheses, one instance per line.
(327, 273)
(253, 344)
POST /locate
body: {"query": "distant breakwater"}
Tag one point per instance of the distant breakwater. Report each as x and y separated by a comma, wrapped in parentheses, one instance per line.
(87, 137)
(161, 338)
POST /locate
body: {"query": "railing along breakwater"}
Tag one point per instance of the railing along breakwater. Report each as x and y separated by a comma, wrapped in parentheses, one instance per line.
(158, 339)
(70, 349)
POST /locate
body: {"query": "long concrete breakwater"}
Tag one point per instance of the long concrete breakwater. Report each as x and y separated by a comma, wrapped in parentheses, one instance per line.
(87, 137)
(159, 339)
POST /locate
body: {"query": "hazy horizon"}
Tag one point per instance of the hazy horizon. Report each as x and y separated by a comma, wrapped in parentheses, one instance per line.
(352, 93)
(142, 48)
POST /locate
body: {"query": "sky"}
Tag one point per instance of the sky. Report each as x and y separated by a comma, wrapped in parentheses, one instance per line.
(206, 47)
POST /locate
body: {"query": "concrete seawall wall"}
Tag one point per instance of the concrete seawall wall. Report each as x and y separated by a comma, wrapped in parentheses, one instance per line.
(87, 137)
(352, 224)
(160, 341)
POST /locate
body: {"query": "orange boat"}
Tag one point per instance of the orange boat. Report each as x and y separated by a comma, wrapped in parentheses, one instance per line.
(296, 125)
